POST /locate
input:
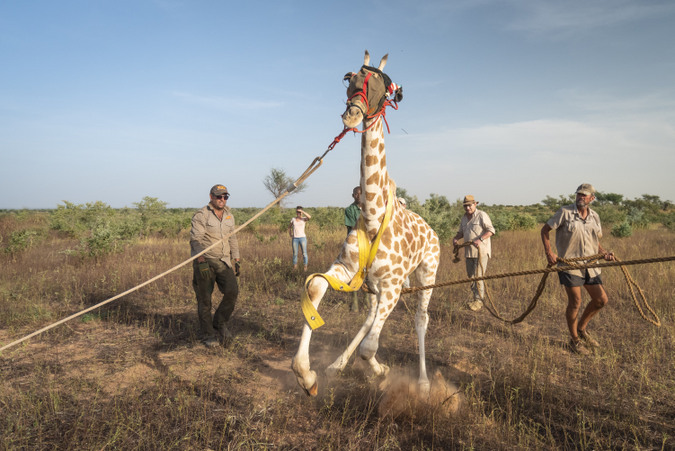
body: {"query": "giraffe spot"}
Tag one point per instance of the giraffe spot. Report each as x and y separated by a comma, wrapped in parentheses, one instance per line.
(381, 147)
(380, 202)
(370, 196)
(371, 160)
(390, 295)
(373, 179)
(397, 247)
(396, 226)
(386, 240)
(380, 271)
(354, 256)
(398, 271)
(383, 162)
(374, 143)
(373, 212)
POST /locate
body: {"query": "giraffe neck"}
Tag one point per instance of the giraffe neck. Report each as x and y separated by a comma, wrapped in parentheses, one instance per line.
(375, 181)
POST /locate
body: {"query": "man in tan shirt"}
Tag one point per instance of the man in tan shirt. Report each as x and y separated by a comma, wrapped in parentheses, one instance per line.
(578, 234)
(475, 227)
(220, 265)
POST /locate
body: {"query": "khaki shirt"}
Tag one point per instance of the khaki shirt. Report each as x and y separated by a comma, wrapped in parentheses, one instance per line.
(207, 229)
(472, 228)
(576, 237)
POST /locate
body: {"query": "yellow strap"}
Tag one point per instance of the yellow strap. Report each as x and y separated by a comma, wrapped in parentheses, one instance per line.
(367, 252)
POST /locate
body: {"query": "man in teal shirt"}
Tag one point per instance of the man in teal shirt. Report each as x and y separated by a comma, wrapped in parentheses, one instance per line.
(353, 212)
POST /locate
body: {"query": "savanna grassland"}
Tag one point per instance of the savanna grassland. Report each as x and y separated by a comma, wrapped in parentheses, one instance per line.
(133, 374)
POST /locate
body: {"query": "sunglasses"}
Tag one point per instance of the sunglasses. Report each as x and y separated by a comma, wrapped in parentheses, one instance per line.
(222, 196)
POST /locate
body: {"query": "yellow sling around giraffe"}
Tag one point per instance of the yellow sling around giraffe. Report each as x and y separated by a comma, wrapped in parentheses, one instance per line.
(367, 252)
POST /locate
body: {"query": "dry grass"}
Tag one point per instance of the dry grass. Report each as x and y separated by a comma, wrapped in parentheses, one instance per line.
(132, 375)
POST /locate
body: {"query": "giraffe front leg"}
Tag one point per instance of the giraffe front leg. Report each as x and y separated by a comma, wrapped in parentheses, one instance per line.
(300, 364)
(342, 361)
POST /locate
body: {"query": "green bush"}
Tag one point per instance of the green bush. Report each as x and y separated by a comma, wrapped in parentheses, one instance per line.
(622, 230)
(669, 220)
(442, 216)
(609, 213)
(23, 239)
(637, 218)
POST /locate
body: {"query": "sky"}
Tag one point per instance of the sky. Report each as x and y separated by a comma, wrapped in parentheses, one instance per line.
(508, 100)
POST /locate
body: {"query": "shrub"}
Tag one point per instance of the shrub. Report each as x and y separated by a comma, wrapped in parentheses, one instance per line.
(23, 239)
(442, 216)
(609, 214)
(669, 220)
(622, 230)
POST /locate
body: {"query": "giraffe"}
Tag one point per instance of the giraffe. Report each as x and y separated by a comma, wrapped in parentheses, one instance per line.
(406, 245)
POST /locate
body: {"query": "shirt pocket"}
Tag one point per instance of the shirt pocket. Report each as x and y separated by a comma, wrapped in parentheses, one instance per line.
(228, 221)
(572, 226)
(476, 229)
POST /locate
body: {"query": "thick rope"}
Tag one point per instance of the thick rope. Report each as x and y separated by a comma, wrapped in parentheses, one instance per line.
(309, 171)
(549, 269)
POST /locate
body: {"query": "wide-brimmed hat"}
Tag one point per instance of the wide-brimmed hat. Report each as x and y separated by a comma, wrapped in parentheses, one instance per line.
(217, 190)
(469, 200)
(585, 189)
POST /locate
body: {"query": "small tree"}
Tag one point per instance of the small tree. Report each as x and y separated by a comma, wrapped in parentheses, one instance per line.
(277, 182)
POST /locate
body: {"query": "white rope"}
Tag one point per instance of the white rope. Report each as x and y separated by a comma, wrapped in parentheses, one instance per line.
(313, 167)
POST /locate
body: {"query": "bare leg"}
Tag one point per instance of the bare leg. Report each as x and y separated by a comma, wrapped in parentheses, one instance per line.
(598, 301)
(572, 312)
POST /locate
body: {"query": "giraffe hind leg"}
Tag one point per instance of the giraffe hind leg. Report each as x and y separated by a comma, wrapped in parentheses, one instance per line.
(426, 275)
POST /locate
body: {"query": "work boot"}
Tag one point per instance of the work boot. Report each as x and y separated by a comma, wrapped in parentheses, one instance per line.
(210, 342)
(225, 335)
(577, 347)
(588, 340)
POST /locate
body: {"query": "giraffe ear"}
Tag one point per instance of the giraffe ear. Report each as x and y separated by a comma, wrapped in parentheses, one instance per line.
(398, 94)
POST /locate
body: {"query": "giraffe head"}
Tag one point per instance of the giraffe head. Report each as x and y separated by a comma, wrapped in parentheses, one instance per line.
(367, 91)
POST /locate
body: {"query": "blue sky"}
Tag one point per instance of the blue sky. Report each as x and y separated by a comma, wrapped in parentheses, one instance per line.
(509, 100)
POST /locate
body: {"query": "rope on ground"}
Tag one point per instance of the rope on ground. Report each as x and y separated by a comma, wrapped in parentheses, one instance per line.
(316, 163)
(569, 264)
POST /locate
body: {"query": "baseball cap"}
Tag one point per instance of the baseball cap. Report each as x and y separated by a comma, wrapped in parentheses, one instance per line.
(586, 189)
(218, 189)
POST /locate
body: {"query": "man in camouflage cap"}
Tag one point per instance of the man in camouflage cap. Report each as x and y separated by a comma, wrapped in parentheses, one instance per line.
(220, 265)
(578, 234)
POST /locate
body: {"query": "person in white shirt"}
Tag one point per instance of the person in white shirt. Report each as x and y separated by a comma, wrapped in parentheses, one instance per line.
(296, 230)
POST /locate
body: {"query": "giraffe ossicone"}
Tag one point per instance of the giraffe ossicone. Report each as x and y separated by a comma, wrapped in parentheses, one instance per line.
(407, 245)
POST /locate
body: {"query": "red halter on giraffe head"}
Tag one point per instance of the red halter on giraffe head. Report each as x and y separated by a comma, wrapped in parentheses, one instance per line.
(389, 243)
(368, 93)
